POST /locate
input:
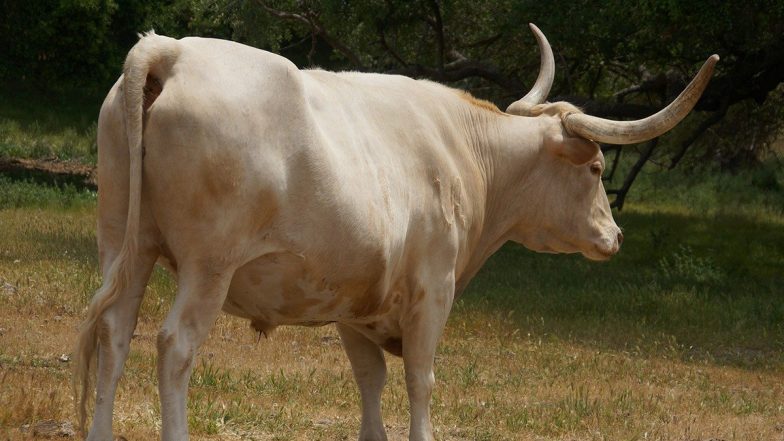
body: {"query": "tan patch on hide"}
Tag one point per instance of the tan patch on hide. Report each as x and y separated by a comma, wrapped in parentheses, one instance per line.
(482, 104)
(220, 178)
(368, 302)
(276, 289)
(222, 182)
(265, 207)
(419, 295)
(332, 305)
(199, 205)
(365, 290)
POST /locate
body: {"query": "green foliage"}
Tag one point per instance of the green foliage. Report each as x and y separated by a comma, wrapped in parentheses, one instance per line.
(16, 194)
(616, 37)
(759, 189)
(182, 18)
(52, 43)
(745, 136)
(684, 266)
(76, 48)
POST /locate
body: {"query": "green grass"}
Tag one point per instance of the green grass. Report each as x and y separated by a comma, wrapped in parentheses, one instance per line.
(42, 140)
(19, 194)
(680, 336)
(756, 192)
(60, 125)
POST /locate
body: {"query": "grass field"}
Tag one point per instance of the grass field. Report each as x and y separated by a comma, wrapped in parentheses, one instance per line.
(680, 337)
(39, 125)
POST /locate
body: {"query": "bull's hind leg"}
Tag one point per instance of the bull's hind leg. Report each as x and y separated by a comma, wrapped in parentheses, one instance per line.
(202, 288)
(370, 372)
(115, 328)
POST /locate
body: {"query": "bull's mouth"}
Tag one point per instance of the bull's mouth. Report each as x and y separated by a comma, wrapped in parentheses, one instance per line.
(597, 250)
(600, 253)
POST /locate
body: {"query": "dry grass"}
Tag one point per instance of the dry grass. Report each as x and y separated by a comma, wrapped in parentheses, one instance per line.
(493, 384)
(504, 370)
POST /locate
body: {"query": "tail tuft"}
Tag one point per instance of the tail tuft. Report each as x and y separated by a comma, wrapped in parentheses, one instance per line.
(153, 53)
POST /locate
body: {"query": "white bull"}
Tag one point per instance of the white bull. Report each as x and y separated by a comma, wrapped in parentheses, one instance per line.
(295, 197)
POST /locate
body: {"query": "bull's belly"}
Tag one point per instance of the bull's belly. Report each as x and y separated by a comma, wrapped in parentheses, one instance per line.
(280, 289)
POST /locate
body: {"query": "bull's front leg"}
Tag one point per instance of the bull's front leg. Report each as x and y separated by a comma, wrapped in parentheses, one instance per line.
(423, 324)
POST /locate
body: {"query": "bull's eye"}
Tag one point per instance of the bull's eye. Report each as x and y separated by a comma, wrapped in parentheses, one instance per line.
(596, 168)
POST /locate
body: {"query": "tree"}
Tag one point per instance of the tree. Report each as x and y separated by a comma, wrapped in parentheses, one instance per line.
(46, 43)
(616, 59)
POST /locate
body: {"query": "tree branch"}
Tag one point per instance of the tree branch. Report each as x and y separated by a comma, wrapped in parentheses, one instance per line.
(382, 38)
(620, 194)
(606, 109)
(336, 44)
(485, 41)
(616, 160)
(686, 143)
(459, 70)
(311, 19)
(285, 15)
(656, 84)
(438, 27)
(595, 82)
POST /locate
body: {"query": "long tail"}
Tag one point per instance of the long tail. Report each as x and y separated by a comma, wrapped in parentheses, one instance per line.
(152, 54)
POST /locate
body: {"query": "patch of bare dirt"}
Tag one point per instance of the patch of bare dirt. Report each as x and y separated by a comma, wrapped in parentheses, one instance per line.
(50, 171)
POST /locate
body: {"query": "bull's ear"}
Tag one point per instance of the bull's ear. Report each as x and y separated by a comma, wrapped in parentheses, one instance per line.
(576, 150)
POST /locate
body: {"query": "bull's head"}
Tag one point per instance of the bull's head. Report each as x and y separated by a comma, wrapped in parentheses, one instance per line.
(577, 217)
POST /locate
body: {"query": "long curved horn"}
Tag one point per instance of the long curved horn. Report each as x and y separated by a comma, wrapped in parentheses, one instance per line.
(632, 132)
(544, 81)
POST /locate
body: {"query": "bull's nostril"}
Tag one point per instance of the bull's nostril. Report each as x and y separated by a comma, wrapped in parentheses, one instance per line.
(620, 238)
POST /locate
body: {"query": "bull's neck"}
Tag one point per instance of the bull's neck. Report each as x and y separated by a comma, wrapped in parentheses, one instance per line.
(505, 148)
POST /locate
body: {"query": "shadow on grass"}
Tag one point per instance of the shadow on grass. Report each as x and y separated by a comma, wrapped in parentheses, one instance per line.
(692, 288)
